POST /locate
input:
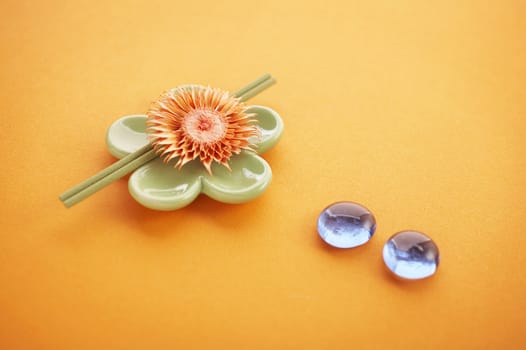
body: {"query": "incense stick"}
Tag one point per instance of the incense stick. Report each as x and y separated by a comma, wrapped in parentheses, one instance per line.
(112, 168)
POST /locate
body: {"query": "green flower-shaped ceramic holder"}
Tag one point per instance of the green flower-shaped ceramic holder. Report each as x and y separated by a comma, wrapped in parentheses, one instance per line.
(158, 185)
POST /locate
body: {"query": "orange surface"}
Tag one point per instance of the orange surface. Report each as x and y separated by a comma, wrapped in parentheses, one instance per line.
(415, 110)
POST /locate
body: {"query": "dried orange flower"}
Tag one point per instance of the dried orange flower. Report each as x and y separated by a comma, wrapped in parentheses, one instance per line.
(197, 122)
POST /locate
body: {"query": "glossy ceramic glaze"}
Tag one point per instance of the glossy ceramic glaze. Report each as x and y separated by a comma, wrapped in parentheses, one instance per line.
(160, 186)
(127, 135)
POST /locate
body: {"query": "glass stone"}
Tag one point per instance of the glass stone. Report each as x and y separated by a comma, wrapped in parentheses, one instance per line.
(411, 255)
(346, 225)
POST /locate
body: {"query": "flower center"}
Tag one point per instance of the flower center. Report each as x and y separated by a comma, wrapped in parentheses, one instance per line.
(204, 126)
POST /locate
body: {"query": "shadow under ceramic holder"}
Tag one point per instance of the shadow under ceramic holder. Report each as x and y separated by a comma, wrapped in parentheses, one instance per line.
(158, 185)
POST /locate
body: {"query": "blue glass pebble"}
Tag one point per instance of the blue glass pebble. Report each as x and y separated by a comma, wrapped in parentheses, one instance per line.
(411, 255)
(346, 225)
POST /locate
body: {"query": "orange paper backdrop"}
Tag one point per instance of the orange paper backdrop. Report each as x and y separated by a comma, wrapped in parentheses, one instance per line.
(414, 109)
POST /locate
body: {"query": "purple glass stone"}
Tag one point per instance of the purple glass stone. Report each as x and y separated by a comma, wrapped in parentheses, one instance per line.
(346, 225)
(411, 255)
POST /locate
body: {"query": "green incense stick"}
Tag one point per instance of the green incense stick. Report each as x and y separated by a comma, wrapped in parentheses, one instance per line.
(112, 177)
(97, 177)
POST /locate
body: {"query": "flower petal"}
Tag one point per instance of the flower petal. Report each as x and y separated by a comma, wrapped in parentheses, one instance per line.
(126, 135)
(248, 179)
(270, 126)
(160, 186)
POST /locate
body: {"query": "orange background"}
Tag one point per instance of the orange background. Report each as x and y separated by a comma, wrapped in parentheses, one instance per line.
(415, 110)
